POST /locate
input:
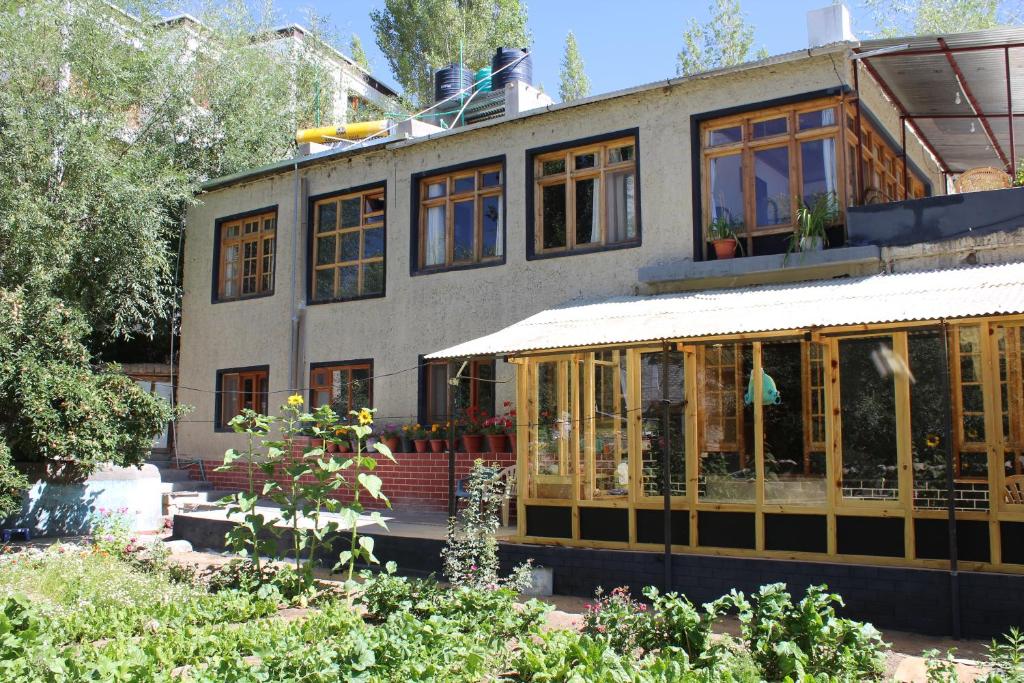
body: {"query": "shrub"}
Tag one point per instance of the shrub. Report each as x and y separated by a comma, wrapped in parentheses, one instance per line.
(674, 622)
(386, 592)
(615, 618)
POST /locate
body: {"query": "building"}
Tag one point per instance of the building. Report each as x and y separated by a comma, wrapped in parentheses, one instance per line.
(780, 413)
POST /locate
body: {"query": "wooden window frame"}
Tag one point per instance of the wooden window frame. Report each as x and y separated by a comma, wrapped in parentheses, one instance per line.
(471, 371)
(231, 232)
(368, 220)
(448, 200)
(880, 156)
(568, 178)
(258, 399)
(347, 366)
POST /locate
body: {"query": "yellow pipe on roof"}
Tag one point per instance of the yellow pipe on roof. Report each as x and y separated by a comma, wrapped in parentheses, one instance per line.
(350, 131)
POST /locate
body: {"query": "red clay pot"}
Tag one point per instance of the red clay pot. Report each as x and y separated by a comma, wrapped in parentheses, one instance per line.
(473, 443)
(332, 447)
(438, 445)
(344, 447)
(421, 445)
(497, 443)
(725, 248)
(394, 443)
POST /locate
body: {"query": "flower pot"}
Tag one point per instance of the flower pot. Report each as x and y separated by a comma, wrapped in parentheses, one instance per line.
(725, 248)
(814, 243)
(497, 443)
(473, 443)
(421, 445)
(344, 447)
(511, 443)
(332, 447)
(393, 443)
(438, 445)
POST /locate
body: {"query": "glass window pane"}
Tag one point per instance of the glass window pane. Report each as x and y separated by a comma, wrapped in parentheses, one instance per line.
(726, 200)
(229, 398)
(373, 242)
(607, 474)
(325, 250)
(652, 435)
(552, 167)
(868, 413)
(588, 160)
(726, 437)
(327, 219)
(550, 470)
(483, 376)
(437, 189)
(269, 224)
(490, 179)
(349, 280)
(437, 395)
(467, 184)
(231, 230)
(350, 246)
(588, 211)
(324, 288)
(818, 162)
(464, 222)
(553, 215)
(434, 248)
(763, 129)
(360, 388)
(619, 154)
(725, 136)
(373, 278)
(771, 186)
(373, 203)
(816, 119)
(492, 228)
(620, 206)
(350, 212)
(231, 270)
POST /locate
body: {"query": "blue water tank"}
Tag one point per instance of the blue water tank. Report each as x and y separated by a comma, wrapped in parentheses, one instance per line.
(450, 80)
(522, 70)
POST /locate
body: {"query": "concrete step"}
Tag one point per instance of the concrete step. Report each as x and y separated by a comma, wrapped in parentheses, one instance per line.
(174, 475)
(193, 501)
(184, 485)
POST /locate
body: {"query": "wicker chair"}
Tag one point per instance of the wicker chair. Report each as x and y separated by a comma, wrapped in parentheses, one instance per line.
(1015, 489)
(980, 179)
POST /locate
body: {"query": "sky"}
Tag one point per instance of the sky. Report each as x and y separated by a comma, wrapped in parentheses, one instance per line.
(623, 43)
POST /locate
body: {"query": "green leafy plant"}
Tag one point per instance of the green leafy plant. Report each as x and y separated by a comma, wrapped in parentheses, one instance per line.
(615, 617)
(813, 220)
(941, 668)
(723, 228)
(1007, 657)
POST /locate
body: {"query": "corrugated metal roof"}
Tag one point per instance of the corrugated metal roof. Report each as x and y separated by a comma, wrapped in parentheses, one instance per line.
(929, 295)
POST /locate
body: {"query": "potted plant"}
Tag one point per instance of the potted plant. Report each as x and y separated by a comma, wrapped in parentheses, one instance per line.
(812, 222)
(419, 437)
(496, 432)
(472, 429)
(391, 436)
(438, 444)
(722, 235)
(339, 442)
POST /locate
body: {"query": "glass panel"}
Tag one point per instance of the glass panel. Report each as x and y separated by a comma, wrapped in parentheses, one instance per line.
(229, 398)
(816, 119)
(551, 476)
(763, 129)
(231, 271)
(818, 161)
(269, 224)
(725, 136)
(325, 250)
(971, 404)
(267, 278)
(373, 242)
(868, 413)
(350, 212)
(328, 217)
(324, 288)
(491, 213)
(588, 160)
(620, 208)
(434, 249)
(251, 227)
(373, 278)
(652, 435)
(360, 388)
(620, 154)
(250, 253)
(794, 470)
(467, 184)
(483, 374)
(771, 186)
(349, 276)
(350, 246)
(490, 179)
(588, 212)
(437, 396)
(464, 229)
(726, 423)
(231, 230)
(553, 215)
(726, 201)
(435, 190)
(373, 203)
(608, 473)
(247, 393)
(552, 167)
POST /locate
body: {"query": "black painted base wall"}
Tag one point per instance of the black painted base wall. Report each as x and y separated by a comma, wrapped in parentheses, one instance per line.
(916, 600)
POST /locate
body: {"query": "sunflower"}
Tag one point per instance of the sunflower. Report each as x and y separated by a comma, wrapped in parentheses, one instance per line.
(295, 400)
(365, 416)
(932, 440)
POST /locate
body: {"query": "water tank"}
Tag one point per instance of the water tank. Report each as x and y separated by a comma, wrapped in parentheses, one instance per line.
(522, 71)
(450, 80)
(483, 79)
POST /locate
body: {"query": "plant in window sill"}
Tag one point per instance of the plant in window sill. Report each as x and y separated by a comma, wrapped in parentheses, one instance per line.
(722, 235)
(391, 436)
(472, 428)
(812, 222)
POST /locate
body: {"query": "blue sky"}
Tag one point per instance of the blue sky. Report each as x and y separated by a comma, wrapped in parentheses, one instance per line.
(622, 43)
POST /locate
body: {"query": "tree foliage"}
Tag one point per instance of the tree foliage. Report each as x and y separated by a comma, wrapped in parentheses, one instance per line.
(358, 54)
(726, 39)
(574, 82)
(420, 36)
(923, 17)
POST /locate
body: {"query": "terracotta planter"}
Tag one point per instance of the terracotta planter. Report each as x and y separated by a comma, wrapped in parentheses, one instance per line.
(511, 443)
(332, 447)
(344, 447)
(438, 445)
(421, 445)
(497, 443)
(725, 248)
(393, 443)
(473, 443)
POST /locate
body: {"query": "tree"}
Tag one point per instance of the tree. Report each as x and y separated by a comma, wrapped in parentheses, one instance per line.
(358, 54)
(419, 36)
(574, 81)
(925, 17)
(725, 40)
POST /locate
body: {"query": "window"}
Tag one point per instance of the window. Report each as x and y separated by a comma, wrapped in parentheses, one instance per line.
(344, 385)
(586, 197)
(239, 389)
(881, 166)
(725, 423)
(476, 389)
(246, 256)
(348, 246)
(461, 218)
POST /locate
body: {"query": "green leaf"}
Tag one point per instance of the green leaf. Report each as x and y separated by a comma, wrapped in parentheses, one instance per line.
(381, 448)
(371, 482)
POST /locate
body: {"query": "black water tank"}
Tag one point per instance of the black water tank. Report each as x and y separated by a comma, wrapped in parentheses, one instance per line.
(523, 71)
(450, 80)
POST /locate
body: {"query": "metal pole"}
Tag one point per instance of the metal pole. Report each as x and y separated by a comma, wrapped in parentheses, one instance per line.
(666, 464)
(452, 382)
(954, 578)
(860, 139)
(903, 147)
(1009, 111)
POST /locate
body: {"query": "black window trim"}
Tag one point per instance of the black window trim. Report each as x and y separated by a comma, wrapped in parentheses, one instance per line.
(217, 406)
(333, 364)
(414, 216)
(532, 253)
(311, 235)
(218, 225)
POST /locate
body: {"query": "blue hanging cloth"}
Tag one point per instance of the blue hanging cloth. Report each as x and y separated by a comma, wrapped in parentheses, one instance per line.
(770, 395)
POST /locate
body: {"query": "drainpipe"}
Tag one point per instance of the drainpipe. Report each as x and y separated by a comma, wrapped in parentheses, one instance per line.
(666, 464)
(294, 383)
(954, 575)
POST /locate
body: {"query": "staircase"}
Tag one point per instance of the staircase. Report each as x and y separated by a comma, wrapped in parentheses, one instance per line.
(180, 492)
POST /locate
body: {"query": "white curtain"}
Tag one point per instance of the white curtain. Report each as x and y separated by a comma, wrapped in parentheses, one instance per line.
(499, 245)
(828, 153)
(621, 207)
(435, 247)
